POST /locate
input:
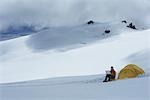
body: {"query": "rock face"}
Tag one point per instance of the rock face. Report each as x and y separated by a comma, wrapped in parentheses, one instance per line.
(107, 31)
(131, 26)
(90, 22)
(124, 21)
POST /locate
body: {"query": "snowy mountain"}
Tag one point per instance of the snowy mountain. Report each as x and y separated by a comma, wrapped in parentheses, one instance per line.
(72, 51)
(61, 49)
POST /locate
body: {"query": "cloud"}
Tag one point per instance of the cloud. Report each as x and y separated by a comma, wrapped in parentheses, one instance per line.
(72, 12)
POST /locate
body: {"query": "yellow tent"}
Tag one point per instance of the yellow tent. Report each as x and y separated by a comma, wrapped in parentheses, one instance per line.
(130, 71)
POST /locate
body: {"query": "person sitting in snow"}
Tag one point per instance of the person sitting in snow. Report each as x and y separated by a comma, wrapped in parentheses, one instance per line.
(110, 75)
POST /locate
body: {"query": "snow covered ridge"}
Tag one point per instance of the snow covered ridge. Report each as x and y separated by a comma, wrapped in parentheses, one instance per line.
(20, 62)
(60, 37)
(15, 31)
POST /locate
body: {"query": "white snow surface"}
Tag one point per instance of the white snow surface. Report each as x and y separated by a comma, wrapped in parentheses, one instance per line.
(77, 88)
(72, 51)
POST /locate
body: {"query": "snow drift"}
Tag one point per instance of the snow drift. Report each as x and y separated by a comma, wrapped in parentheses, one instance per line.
(77, 88)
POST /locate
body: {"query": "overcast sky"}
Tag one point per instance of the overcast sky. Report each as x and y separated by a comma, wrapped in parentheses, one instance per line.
(72, 12)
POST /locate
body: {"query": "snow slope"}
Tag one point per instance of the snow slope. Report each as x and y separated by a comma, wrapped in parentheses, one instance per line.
(78, 50)
(77, 88)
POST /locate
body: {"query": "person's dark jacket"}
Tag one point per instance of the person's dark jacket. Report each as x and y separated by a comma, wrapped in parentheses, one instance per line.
(113, 72)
